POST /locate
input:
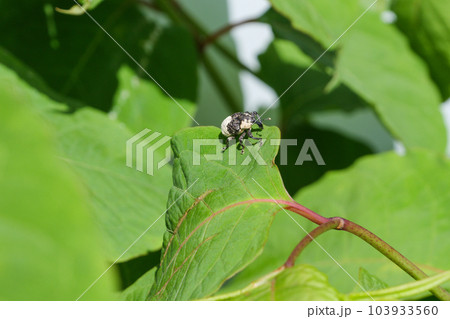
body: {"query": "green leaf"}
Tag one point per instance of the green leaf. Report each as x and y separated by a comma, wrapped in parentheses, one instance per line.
(219, 217)
(141, 104)
(375, 61)
(393, 196)
(76, 58)
(323, 20)
(77, 10)
(301, 282)
(296, 176)
(369, 281)
(404, 291)
(125, 201)
(402, 199)
(427, 27)
(138, 291)
(49, 245)
(283, 63)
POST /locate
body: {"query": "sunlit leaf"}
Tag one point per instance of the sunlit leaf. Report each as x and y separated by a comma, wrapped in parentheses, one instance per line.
(217, 223)
(375, 61)
(122, 198)
(301, 282)
(49, 245)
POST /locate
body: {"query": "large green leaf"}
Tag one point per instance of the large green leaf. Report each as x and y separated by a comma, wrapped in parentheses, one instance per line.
(77, 58)
(427, 26)
(376, 62)
(49, 245)
(323, 20)
(402, 199)
(283, 63)
(217, 223)
(300, 282)
(404, 291)
(125, 201)
(296, 176)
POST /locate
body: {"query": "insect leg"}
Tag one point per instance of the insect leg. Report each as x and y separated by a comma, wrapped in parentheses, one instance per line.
(227, 143)
(241, 141)
(260, 124)
(249, 133)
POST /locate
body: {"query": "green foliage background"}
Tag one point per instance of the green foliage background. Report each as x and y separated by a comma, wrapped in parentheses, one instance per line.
(70, 98)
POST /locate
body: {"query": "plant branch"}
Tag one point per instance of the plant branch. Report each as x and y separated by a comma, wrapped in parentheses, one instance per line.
(387, 250)
(333, 223)
(215, 35)
(396, 257)
(200, 34)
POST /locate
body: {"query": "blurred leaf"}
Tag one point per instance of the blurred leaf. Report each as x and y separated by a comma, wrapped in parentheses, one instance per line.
(282, 29)
(173, 62)
(125, 201)
(361, 125)
(369, 281)
(296, 176)
(323, 20)
(427, 26)
(78, 59)
(212, 232)
(301, 282)
(138, 291)
(282, 64)
(49, 246)
(140, 104)
(375, 61)
(81, 7)
(402, 199)
(404, 291)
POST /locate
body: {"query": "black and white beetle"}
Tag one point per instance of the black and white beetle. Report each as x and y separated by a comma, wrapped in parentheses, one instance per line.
(240, 124)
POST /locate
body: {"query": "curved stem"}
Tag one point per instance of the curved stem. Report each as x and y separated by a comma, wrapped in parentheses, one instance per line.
(388, 251)
(333, 223)
(215, 35)
(305, 212)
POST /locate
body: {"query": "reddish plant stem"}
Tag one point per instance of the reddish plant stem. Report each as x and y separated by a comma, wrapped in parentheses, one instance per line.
(333, 223)
(396, 257)
(387, 250)
(214, 36)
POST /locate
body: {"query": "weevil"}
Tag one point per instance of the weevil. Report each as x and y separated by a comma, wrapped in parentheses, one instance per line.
(240, 124)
